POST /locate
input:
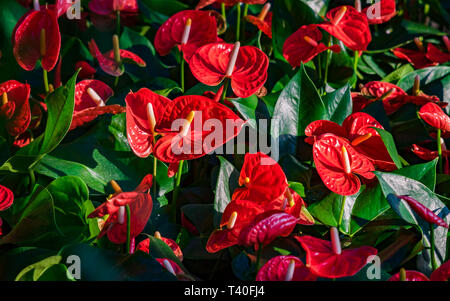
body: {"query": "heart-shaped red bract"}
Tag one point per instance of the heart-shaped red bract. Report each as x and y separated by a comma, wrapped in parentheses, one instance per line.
(203, 31)
(277, 268)
(297, 49)
(323, 262)
(380, 12)
(6, 198)
(432, 114)
(211, 119)
(17, 110)
(86, 109)
(352, 29)
(442, 273)
(26, 39)
(330, 165)
(434, 54)
(139, 132)
(417, 58)
(264, 25)
(264, 180)
(140, 203)
(107, 7)
(86, 72)
(202, 3)
(209, 65)
(267, 226)
(145, 246)
(410, 276)
(224, 238)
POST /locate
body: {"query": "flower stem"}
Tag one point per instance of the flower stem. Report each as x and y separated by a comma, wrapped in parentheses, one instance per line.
(116, 82)
(225, 88)
(258, 256)
(439, 148)
(341, 214)
(127, 208)
(182, 73)
(432, 251)
(44, 75)
(355, 65)
(327, 53)
(243, 20)
(224, 12)
(238, 25)
(259, 40)
(118, 22)
(177, 184)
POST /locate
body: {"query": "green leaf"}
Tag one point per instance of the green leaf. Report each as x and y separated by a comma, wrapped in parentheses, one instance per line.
(247, 108)
(390, 146)
(393, 185)
(227, 182)
(34, 271)
(398, 74)
(338, 104)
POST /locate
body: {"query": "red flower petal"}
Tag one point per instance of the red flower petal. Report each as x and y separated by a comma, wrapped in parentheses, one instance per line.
(127, 57)
(203, 31)
(86, 72)
(320, 127)
(434, 54)
(264, 25)
(424, 153)
(277, 267)
(18, 112)
(266, 180)
(353, 29)
(209, 64)
(442, 273)
(432, 114)
(266, 227)
(107, 7)
(139, 133)
(425, 213)
(82, 117)
(322, 261)
(6, 198)
(82, 98)
(145, 246)
(328, 157)
(417, 58)
(380, 12)
(410, 276)
(26, 39)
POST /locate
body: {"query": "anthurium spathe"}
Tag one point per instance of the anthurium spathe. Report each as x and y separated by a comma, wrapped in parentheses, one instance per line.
(140, 204)
(14, 106)
(6, 198)
(245, 66)
(237, 215)
(348, 25)
(187, 35)
(432, 114)
(202, 3)
(90, 101)
(380, 12)
(145, 245)
(304, 44)
(264, 181)
(338, 163)
(263, 21)
(326, 258)
(285, 268)
(417, 57)
(442, 273)
(437, 55)
(425, 213)
(86, 72)
(37, 36)
(409, 276)
(108, 7)
(191, 137)
(112, 61)
(144, 109)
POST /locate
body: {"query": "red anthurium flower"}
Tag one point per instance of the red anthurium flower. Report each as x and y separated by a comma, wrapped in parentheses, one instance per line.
(337, 163)
(285, 268)
(140, 203)
(144, 109)
(417, 58)
(192, 139)
(358, 129)
(264, 181)
(173, 268)
(90, 98)
(425, 213)
(380, 12)
(432, 114)
(267, 226)
(202, 3)
(410, 276)
(108, 7)
(145, 245)
(426, 154)
(326, 259)
(442, 273)
(304, 44)
(6, 198)
(23, 139)
(436, 55)
(36, 36)
(349, 26)
(246, 66)
(14, 106)
(237, 215)
(112, 61)
(187, 35)
(263, 21)
(294, 205)
(86, 72)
